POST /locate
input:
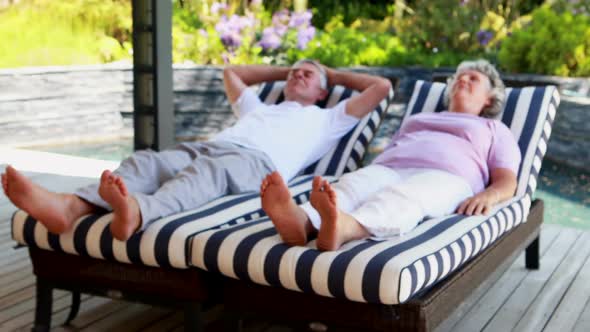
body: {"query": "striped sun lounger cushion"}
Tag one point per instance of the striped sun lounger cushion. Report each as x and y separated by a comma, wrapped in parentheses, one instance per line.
(391, 271)
(166, 241)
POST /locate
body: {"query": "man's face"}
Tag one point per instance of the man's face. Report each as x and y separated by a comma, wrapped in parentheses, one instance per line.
(304, 84)
(470, 93)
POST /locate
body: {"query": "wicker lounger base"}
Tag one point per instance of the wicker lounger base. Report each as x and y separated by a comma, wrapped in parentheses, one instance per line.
(189, 289)
(424, 313)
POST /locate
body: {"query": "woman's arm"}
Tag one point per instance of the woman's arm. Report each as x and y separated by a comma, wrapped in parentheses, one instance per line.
(502, 187)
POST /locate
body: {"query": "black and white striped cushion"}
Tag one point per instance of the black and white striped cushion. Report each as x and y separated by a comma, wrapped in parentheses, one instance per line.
(166, 241)
(348, 154)
(391, 271)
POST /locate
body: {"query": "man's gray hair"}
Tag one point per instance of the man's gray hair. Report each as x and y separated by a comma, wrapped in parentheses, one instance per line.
(323, 74)
(497, 86)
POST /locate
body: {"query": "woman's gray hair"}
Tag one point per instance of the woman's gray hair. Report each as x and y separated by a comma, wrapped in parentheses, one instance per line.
(498, 91)
(323, 74)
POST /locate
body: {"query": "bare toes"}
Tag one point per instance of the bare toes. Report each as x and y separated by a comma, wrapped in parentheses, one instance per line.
(105, 176)
(317, 183)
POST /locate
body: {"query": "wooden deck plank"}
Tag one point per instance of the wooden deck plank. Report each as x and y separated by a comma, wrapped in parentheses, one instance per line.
(6, 235)
(6, 212)
(127, 318)
(25, 282)
(481, 309)
(510, 313)
(173, 320)
(541, 310)
(11, 256)
(147, 318)
(572, 304)
(25, 319)
(20, 308)
(583, 323)
(7, 248)
(92, 310)
(16, 297)
(21, 270)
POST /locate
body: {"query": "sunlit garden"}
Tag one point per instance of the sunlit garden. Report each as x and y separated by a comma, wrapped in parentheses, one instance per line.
(542, 37)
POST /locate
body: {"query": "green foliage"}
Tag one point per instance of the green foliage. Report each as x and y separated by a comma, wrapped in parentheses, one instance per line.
(38, 32)
(342, 46)
(429, 33)
(554, 44)
(451, 25)
(574, 7)
(349, 10)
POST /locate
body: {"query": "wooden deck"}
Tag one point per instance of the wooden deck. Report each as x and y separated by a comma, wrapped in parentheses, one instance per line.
(554, 298)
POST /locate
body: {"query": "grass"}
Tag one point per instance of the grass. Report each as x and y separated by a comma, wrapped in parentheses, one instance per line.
(41, 34)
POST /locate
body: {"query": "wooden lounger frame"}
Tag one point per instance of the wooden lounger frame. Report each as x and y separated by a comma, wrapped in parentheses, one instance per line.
(192, 288)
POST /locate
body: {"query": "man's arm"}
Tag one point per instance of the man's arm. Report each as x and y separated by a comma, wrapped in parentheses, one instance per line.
(373, 89)
(237, 78)
(502, 186)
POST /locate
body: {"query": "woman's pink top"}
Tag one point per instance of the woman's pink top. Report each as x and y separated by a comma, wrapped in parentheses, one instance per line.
(462, 144)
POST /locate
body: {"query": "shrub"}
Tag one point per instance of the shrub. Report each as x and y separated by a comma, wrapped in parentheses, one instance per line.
(217, 34)
(554, 44)
(339, 45)
(463, 27)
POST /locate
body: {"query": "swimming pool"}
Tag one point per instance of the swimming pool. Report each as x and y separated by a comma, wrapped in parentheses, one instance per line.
(566, 191)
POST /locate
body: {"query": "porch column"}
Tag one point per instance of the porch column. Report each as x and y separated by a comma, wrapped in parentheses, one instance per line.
(153, 109)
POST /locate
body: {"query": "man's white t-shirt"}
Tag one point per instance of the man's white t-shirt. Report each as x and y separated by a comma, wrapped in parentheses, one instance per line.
(292, 135)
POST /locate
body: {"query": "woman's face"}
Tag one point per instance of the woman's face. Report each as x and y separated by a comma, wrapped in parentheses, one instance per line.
(470, 93)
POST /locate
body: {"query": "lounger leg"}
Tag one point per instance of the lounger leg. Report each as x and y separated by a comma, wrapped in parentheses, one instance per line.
(75, 307)
(193, 321)
(532, 255)
(43, 306)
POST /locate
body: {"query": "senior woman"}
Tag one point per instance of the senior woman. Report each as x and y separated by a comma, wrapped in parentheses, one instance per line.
(459, 160)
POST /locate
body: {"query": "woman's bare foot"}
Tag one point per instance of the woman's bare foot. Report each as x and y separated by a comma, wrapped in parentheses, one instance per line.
(127, 217)
(289, 219)
(337, 227)
(56, 211)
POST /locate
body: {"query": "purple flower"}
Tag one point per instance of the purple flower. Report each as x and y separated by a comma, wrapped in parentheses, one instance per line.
(463, 2)
(300, 19)
(216, 7)
(203, 32)
(270, 39)
(484, 37)
(280, 30)
(304, 36)
(230, 29)
(281, 17)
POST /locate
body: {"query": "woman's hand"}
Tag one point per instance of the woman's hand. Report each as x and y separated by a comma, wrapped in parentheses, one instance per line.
(480, 203)
(502, 187)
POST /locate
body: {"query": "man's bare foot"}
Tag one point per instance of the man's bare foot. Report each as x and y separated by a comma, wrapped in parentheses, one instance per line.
(337, 227)
(56, 211)
(127, 217)
(289, 219)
